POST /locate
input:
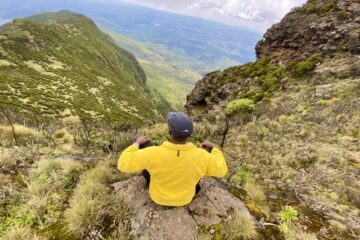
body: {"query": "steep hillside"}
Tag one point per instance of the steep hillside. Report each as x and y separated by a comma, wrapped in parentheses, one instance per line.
(290, 122)
(58, 65)
(169, 73)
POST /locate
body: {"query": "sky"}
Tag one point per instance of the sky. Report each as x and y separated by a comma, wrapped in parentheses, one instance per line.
(254, 14)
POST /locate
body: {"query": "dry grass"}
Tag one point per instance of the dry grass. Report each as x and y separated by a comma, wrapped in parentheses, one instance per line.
(23, 134)
(240, 227)
(92, 207)
(21, 233)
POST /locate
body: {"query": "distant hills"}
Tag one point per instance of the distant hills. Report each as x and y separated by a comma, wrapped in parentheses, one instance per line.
(61, 65)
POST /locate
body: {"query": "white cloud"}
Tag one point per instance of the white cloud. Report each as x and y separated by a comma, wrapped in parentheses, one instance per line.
(260, 10)
(255, 14)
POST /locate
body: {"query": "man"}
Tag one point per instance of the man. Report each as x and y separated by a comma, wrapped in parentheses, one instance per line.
(176, 166)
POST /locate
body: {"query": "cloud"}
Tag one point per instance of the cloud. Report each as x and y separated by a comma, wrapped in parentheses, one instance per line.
(261, 10)
(255, 14)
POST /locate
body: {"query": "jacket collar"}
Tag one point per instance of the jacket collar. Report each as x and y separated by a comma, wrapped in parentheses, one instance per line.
(172, 146)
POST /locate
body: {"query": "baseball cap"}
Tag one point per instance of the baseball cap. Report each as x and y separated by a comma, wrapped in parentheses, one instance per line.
(180, 124)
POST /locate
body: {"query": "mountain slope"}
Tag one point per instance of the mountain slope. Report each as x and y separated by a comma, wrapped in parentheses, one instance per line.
(57, 65)
(290, 121)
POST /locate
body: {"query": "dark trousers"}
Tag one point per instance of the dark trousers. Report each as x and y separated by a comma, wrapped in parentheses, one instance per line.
(147, 176)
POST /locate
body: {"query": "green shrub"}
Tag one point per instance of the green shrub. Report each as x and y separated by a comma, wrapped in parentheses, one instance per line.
(240, 227)
(323, 103)
(320, 8)
(287, 215)
(241, 176)
(240, 105)
(300, 69)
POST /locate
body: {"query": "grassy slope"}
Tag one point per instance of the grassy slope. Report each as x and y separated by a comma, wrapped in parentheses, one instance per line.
(301, 143)
(69, 67)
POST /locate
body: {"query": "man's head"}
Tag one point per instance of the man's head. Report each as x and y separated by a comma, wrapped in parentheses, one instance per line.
(180, 126)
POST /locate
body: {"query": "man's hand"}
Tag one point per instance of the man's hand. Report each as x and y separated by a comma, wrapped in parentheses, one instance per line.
(207, 144)
(142, 140)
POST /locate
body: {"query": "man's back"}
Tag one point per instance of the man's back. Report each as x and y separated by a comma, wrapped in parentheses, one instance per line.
(175, 169)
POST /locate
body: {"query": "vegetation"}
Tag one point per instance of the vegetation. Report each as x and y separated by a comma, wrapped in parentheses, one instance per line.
(241, 177)
(300, 69)
(320, 8)
(54, 80)
(240, 106)
(240, 227)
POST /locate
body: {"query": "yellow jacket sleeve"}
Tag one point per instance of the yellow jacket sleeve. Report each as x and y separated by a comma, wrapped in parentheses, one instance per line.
(217, 166)
(132, 160)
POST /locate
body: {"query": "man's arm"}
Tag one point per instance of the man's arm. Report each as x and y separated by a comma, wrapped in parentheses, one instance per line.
(132, 159)
(217, 166)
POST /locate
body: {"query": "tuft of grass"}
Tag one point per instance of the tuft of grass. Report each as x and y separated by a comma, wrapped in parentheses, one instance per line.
(240, 227)
(92, 208)
(23, 135)
(21, 233)
(7, 160)
(287, 215)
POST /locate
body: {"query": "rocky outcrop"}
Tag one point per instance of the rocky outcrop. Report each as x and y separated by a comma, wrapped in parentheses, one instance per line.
(212, 205)
(318, 26)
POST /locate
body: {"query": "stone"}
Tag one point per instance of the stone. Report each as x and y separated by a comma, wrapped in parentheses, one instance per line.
(211, 206)
(324, 91)
(214, 203)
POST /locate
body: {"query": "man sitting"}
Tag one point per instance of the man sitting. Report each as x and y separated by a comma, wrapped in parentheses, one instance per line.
(174, 168)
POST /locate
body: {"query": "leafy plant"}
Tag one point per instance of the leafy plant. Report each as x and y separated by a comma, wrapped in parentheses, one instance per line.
(300, 69)
(286, 216)
(241, 176)
(240, 106)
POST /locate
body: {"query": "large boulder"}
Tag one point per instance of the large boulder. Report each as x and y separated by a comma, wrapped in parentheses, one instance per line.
(211, 206)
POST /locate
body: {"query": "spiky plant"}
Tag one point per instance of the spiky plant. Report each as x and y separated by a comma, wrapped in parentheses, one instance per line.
(242, 226)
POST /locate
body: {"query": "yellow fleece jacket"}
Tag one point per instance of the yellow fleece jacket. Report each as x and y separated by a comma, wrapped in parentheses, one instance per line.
(175, 169)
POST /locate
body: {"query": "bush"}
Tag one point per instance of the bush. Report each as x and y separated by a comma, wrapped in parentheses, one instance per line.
(300, 69)
(241, 176)
(240, 105)
(240, 227)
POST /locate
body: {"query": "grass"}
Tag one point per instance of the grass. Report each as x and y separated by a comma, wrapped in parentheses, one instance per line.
(21, 233)
(240, 227)
(23, 135)
(92, 208)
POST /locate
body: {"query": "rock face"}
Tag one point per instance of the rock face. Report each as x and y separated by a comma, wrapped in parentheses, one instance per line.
(326, 26)
(149, 220)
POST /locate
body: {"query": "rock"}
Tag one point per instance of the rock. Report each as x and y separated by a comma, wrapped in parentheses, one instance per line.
(149, 220)
(312, 29)
(214, 203)
(324, 91)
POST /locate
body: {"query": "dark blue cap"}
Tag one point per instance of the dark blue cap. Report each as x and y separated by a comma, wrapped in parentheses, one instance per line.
(180, 124)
